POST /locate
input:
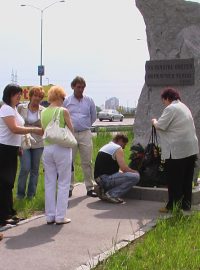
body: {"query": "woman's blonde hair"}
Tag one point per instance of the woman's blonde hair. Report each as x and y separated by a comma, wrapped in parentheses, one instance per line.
(55, 93)
(37, 91)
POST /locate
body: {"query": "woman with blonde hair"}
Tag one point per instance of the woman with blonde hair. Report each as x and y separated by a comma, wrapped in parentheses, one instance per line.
(57, 161)
(31, 155)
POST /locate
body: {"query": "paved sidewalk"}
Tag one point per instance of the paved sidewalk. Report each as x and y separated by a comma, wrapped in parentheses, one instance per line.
(93, 230)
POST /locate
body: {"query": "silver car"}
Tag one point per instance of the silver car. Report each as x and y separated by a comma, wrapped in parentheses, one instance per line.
(111, 115)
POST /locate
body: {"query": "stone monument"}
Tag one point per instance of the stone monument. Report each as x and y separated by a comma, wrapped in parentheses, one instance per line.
(173, 34)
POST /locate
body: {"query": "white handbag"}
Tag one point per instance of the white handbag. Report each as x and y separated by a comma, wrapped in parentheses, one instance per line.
(26, 141)
(55, 134)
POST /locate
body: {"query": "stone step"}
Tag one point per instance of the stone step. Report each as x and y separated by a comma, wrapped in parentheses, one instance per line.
(158, 194)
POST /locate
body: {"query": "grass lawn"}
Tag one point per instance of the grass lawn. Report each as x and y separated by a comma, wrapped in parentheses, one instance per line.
(26, 208)
(174, 244)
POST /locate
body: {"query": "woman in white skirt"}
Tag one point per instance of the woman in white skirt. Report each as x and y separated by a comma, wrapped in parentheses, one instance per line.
(57, 162)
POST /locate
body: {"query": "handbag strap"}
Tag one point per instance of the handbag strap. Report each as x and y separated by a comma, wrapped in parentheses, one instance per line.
(56, 114)
(153, 137)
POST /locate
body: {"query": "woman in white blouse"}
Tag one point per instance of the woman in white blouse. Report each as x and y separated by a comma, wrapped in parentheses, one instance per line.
(11, 126)
(31, 155)
(179, 146)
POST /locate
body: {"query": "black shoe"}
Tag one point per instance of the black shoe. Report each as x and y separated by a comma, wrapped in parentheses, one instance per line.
(70, 193)
(100, 192)
(17, 219)
(8, 221)
(113, 199)
(12, 221)
(92, 193)
(186, 208)
(2, 223)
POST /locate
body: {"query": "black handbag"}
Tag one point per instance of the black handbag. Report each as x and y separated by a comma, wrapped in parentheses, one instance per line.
(148, 162)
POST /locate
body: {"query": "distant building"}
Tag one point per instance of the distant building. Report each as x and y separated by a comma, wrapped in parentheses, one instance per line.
(112, 103)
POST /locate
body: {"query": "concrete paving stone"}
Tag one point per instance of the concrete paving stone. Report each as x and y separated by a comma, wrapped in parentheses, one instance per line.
(96, 226)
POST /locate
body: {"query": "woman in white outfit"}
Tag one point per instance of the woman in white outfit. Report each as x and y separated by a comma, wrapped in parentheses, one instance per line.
(57, 162)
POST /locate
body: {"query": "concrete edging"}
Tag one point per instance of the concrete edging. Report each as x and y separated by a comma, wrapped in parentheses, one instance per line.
(117, 246)
(158, 194)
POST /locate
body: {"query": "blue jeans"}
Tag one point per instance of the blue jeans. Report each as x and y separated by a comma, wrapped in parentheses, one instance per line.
(119, 183)
(29, 165)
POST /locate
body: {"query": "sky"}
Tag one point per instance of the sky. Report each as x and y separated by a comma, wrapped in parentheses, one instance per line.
(103, 41)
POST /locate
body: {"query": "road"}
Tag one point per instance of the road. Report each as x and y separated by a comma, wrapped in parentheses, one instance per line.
(125, 122)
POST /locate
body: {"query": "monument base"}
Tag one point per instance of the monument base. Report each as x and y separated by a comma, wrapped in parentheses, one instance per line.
(159, 194)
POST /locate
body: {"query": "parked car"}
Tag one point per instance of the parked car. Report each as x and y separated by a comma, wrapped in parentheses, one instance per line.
(110, 115)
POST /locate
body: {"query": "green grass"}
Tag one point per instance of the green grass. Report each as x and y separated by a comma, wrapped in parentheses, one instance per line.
(27, 208)
(173, 245)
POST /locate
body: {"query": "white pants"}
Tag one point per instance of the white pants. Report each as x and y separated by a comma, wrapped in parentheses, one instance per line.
(57, 164)
(84, 140)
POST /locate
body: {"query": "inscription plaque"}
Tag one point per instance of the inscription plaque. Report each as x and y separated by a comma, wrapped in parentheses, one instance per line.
(170, 72)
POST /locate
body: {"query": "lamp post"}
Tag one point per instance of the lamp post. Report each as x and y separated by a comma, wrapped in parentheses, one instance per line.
(41, 67)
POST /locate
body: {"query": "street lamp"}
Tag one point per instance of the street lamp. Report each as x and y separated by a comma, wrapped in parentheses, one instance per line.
(41, 67)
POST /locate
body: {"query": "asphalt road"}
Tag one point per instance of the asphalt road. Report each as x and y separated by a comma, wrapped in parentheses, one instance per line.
(125, 122)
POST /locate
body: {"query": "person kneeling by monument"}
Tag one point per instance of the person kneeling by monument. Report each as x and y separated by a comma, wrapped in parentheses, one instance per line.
(113, 176)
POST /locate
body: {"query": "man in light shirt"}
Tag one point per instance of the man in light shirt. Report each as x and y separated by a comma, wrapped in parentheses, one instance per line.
(83, 114)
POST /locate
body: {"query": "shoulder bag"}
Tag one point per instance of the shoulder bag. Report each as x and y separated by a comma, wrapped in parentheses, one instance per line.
(55, 134)
(149, 163)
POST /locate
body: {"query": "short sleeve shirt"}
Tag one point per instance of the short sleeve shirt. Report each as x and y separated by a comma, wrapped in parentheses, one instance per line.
(7, 137)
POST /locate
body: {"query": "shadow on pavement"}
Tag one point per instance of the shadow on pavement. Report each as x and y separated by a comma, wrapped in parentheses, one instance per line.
(138, 210)
(34, 236)
(75, 201)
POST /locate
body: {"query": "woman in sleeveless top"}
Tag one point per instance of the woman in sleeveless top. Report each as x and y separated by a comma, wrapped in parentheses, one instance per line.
(57, 162)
